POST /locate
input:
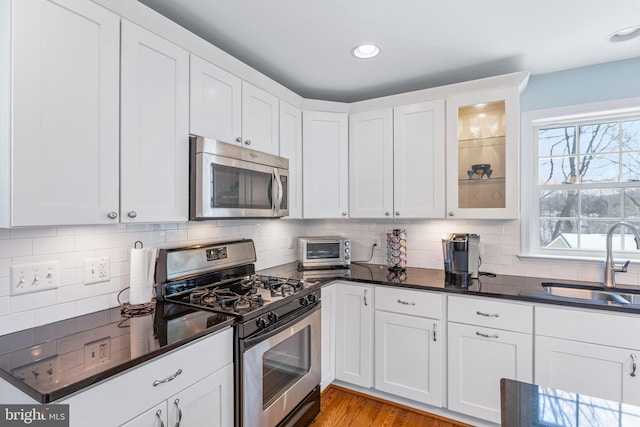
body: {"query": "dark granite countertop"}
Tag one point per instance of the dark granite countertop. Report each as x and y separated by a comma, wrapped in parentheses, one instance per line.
(52, 361)
(525, 405)
(501, 286)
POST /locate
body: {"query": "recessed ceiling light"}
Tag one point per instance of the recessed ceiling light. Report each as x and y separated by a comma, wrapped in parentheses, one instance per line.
(625, 34)
(366, 51)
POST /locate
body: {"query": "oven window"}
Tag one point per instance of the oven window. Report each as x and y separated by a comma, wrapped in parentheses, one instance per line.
(235, 188)
(284, 365)
(323, 250)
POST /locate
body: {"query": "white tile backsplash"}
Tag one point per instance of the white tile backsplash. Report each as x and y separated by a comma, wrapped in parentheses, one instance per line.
(71, 245)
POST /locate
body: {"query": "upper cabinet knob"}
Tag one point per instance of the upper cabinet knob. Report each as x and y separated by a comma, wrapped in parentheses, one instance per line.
(112, 215)
(397, 213)
(387, 213)
(450, 213)
(344, 214)
(239, 139)
(132, 214)
(247, 142)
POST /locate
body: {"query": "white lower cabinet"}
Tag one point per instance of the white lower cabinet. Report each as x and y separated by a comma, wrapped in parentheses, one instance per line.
(588, 352)
(494, 342)
(354, 334)
(409, 344)
(199, 375)
(408, 353)
(208, 402)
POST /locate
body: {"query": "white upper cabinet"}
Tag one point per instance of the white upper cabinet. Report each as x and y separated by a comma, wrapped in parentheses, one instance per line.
(154, 128)
(216, 99)
(396, 162)
(419, 160)
(325, 142)
(482, 154)
(226, 108)
(260, 120)
(291, 148)
(371, 164)
(65, 75)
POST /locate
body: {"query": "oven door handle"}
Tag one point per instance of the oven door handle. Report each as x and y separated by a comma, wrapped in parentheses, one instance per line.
(250, 342)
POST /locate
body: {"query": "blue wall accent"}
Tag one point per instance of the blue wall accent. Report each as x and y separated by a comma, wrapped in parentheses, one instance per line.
(594, 83)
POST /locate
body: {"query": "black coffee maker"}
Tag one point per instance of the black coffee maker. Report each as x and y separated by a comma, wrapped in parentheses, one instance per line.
(461, 253)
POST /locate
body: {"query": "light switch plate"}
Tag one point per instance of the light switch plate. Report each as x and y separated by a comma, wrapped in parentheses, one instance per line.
(35, 277)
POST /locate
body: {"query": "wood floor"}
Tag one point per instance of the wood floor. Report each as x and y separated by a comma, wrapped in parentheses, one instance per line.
(342, 407)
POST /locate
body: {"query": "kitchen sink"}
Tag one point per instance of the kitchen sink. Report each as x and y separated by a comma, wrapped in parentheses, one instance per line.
(569, 290)
(590, 293)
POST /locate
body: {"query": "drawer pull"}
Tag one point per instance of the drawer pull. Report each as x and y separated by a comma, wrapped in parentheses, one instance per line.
(634, 365)
(479, 313)
(177, 403)
(406, 302)
(480, 334)
(159, 417)
(166, 380)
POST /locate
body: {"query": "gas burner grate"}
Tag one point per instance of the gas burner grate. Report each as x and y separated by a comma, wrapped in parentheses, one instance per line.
(226, 299)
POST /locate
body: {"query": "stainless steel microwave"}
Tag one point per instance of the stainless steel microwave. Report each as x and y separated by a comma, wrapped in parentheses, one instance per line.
(318, 252)
(230, 181)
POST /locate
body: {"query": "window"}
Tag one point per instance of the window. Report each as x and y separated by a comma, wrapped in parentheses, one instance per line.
(583, 175)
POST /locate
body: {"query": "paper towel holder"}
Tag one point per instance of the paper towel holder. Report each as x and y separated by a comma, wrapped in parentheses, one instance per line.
(135, 245)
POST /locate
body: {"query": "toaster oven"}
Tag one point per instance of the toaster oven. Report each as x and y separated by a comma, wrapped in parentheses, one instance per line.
(323, 252)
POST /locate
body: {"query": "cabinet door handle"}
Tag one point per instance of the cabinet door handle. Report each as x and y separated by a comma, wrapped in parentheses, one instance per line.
(112, 215)
(166, 380)
(365, 297)
(177, 404)
(634, 365)
(132, 214)
(479, 313)
(480, 334)
(406, 302)
(159, 417)
(435, 337)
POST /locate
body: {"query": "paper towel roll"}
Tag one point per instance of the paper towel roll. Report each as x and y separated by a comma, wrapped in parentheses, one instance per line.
(140, 278)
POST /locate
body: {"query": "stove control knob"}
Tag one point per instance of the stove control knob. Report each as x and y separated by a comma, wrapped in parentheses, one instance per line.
(304, 301)
(311, 298)
(261, 322)
(273, 317)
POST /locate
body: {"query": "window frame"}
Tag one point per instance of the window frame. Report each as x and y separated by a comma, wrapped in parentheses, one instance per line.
(529, 206)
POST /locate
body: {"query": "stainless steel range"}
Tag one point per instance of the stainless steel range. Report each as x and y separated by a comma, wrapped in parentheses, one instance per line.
(277, 333)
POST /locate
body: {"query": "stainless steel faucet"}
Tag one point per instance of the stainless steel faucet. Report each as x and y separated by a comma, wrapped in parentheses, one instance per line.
(610, 266)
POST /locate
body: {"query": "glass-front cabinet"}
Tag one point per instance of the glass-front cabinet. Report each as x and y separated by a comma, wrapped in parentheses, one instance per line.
(482, 154)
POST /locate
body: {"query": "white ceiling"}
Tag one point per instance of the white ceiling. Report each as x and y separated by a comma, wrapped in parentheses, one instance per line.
(306, 44)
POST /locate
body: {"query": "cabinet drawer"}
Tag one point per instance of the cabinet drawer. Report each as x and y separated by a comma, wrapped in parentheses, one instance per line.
(594, 326)
(408, 301)
(133, 391)
(490, 313)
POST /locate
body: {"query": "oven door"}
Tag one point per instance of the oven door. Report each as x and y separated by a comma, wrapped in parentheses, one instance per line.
(280, 370)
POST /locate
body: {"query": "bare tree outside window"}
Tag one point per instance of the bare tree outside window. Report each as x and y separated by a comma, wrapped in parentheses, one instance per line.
(588, 178)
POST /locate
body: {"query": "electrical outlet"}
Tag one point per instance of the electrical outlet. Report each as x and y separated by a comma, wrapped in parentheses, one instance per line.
(35, 277)
(97, 352)
(97, 270)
